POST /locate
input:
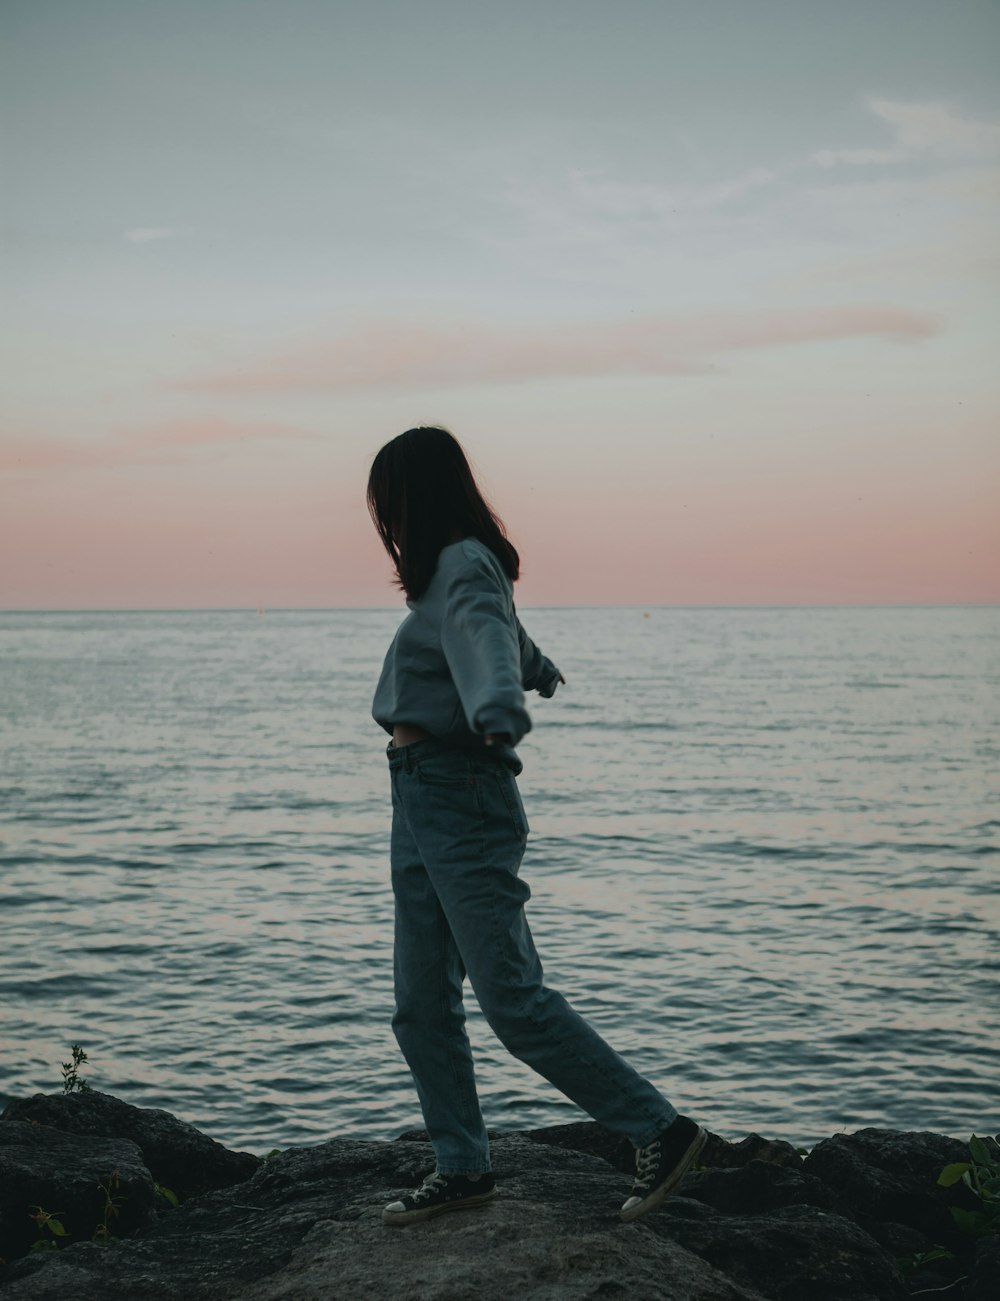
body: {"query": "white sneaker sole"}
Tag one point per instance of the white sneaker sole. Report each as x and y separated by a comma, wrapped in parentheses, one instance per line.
(428, 1212)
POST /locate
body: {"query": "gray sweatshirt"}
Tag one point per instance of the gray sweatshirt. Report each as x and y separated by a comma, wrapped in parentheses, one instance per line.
(460, 661)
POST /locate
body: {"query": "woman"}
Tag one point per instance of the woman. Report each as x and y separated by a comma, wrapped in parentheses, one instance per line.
(451, 694)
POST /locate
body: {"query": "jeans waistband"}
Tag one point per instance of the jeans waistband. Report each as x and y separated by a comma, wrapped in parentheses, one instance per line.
(406, 756)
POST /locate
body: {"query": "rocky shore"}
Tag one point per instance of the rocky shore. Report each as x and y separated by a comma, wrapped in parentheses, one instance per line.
(756, 1221)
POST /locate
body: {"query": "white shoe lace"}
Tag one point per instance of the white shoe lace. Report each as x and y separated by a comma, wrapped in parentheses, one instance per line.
(430, 1185)
(646, 1159)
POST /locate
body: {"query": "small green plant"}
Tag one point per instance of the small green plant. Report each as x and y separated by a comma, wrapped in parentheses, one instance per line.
(907, 1264)
(112, 1206)
(275, 1151)
(167, 1194)
(982, 1176)
(70, 1072)
(47, 1224)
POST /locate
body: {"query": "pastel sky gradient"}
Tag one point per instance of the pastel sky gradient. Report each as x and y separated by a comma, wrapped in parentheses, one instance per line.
(708, 292)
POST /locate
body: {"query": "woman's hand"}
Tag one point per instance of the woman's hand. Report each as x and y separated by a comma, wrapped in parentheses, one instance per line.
(502, 738)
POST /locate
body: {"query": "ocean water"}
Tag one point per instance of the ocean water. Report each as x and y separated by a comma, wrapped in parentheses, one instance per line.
(764, 861)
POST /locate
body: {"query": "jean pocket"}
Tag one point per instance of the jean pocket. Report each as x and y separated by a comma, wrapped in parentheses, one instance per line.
(445, 769)
(512, 798)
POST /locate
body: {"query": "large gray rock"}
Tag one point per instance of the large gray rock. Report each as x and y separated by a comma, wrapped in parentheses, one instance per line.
(792, 1253)
(760, 1186)
(755, 1223)
(62, 1174)
(308, 1226)
(891, 1175)
(585, 1136)
(177, 1155)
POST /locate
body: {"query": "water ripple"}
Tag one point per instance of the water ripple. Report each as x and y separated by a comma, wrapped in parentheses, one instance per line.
(765, 874)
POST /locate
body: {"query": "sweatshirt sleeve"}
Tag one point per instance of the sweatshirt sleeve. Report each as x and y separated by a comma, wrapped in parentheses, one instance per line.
(480, 643)
(538, 673)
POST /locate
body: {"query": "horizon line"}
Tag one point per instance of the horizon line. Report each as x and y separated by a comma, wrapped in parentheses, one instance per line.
(335, 609)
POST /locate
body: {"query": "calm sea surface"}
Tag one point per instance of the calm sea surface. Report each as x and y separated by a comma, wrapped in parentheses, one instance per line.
(764, 861)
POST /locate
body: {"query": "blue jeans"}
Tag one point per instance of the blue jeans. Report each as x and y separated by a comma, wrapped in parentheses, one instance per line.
(458, 836)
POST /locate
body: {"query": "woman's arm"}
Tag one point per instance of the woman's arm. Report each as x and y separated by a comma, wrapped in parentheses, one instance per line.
(538, 673)
(481, 644)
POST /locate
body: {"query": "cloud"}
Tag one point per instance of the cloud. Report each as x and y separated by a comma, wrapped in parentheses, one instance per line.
(928, 129)
(588, 190)
(165, 443)
(394, 353)
(145, 234)
(594, 224)
(936, 128)
(597, 224)
(587, 207)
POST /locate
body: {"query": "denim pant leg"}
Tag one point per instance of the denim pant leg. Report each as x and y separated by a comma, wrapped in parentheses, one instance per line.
(429, 1018)
(468, 822)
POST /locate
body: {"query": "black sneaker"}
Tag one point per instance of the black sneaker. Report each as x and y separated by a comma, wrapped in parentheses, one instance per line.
(439, 1193)
(662, 1164)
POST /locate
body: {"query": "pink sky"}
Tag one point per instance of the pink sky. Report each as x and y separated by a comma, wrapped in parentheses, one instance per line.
(708, 458)
(223, 513)
(713, 314)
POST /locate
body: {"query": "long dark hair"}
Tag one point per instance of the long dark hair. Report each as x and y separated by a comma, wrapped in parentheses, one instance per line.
(421, 491)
